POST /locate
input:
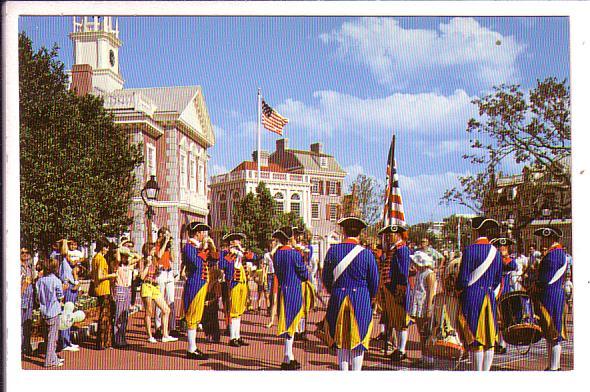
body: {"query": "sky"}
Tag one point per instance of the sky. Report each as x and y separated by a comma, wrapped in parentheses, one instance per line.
(347, 82)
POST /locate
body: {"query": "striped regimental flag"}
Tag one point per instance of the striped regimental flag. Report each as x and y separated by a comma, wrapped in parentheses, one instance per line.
(272, 120)
(393, 211)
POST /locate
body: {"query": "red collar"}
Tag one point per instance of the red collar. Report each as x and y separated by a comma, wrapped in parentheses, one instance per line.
(482, 241)
(399, 244)
(285, 247)
(204, 254)
(230, 257)
(351, 241)
(556, 245)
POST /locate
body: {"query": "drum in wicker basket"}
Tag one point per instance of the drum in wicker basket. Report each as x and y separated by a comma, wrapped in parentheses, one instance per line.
(518, 321)
(449, 348)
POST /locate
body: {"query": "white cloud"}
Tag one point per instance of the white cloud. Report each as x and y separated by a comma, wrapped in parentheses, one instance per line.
(423, 113)
(421, 195)
(217, 169)
(461, 49)
(220, 132)
(353, 171)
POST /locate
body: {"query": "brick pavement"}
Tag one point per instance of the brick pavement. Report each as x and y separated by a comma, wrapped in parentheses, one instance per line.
(266, 351)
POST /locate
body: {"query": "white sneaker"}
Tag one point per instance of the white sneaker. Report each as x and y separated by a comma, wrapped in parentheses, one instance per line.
(70, 348)
(74, 345)
(167, 339)
(152, 340)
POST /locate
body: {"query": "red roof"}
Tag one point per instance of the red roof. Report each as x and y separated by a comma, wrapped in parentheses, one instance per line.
(251, 165)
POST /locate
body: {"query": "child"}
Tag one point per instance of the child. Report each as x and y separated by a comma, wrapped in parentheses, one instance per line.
(49, 295)
(124, 266)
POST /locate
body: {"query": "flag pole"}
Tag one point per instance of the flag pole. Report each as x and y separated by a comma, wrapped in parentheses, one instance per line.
(258, 121)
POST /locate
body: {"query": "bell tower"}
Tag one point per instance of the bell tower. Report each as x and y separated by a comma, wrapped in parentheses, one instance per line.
(96, 43)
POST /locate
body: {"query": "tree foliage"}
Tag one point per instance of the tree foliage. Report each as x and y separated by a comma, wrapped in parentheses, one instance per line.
(255, 216)
(369, 195)
(76, 165)
(532, 129)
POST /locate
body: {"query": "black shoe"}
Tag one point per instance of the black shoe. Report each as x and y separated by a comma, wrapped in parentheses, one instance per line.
(242, 342)
(293, 365)
(234, 343)
(553, 370)
(174, 333)
(398, 356)
(500, 350)
(158, 334)
(197, 355)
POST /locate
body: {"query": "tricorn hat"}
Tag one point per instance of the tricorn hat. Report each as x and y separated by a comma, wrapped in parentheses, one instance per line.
(125, 240)
(481, 222)
(352, 222)
(548, 232)
(198, 226)
(393, 229)
(234, 236)
(502, 241)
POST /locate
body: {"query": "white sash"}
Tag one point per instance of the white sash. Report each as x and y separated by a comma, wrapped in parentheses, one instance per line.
(483, 267)
(559, 273)
(345, 262)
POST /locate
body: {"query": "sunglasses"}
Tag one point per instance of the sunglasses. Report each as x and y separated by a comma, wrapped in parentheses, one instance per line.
(24, 252)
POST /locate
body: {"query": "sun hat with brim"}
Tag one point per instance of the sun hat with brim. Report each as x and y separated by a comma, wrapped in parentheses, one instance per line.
(548, 232)
(502, 241)
(234, 236)
(422, 259)
(481, 222)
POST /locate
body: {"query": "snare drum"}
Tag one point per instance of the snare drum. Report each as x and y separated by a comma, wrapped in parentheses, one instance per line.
(517, 319)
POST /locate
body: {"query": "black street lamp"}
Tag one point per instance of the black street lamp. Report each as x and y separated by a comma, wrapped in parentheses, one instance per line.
(150, 192)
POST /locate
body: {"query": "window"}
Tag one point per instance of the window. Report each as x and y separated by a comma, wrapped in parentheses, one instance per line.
(332, 211)
(315, 210)
(279, 203)
(193, 174)
(183, 169)
(201, 179)
(222, 206)
(323, 161)
(151, 159)
(235, 201)
(315, 187)
(332, 185)
(295, 204)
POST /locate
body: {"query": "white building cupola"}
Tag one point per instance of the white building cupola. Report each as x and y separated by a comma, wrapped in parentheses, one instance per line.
(96, 43)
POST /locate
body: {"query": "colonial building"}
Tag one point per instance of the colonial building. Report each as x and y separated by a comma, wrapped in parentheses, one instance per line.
(291, 191)
(326, 177)
(172, 123)
(532, 199)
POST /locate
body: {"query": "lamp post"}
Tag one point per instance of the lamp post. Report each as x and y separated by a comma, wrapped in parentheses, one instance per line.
(150, 192)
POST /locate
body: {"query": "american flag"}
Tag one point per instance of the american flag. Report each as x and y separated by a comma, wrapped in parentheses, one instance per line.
(272, 120)
(393, 212)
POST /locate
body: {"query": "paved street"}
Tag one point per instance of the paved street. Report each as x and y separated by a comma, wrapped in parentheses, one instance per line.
(266, 351)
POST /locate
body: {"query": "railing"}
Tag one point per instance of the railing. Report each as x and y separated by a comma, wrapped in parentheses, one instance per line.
(129, 100)
(265, 175)
(95, 24)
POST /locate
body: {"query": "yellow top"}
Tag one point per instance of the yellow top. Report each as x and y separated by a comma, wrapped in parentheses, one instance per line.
(103, 287)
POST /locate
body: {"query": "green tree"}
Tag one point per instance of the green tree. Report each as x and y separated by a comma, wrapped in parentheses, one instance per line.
(77, 166)
(421, 230)
(255, 217)
(533, 129)
(369, 195)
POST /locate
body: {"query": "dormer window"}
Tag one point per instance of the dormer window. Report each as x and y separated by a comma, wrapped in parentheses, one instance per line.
(323, 161)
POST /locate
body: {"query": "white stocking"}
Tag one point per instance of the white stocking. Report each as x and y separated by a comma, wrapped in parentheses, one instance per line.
(192, 340)
(238, 324)
(302, 325)
(477, 360)
(288, 350)
(488, 359)
(232, 328)
(343, 358)
(403, 339)
(555, 356)
(357, 359)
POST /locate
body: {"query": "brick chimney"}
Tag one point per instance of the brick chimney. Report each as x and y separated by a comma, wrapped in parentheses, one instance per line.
(81, 79)
(263, 157)
(316, 147)
(282, 145)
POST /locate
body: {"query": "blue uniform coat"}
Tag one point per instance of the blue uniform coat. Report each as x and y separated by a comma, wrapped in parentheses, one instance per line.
(349, 317)
(550, 300)
(195, 287)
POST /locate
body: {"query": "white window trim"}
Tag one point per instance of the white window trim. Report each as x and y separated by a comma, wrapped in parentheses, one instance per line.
(330, 184)
(318, 211)
(151, 153)
(192, 174)
(183, 168)
(201, 178)
(317, 184)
